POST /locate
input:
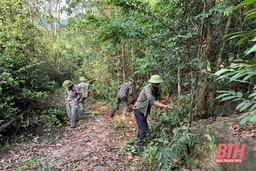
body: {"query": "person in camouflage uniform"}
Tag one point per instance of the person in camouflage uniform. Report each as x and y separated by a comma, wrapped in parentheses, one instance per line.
(71, 100)
(149, 95)
(83, 88)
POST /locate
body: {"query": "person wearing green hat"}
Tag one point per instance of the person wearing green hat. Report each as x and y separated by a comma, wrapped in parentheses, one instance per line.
(83, 88)
(71, 100)
(149, 95)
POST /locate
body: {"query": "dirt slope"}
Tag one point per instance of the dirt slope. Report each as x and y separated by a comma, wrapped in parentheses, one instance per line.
(94, 145)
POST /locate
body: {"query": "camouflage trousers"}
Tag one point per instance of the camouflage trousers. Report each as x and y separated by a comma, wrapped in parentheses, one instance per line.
(71, 108)
(82, 103)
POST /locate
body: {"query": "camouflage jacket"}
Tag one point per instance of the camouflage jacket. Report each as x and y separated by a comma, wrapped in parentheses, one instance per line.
(83, 88)
(72, 93)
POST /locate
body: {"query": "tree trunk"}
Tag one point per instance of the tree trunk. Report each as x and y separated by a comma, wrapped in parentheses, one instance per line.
(204, 54)
(123, 63)
(179, 87)
(55, 34)
(192, 97)
(30, 11)
(132, 54)
(58, 30)
(219, 62)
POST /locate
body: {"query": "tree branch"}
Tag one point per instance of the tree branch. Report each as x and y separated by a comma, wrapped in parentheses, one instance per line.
(2, 127)
(153, 16)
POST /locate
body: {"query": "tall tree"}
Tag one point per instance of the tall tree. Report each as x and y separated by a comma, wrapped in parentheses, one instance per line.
(24, 75)
(206, 35)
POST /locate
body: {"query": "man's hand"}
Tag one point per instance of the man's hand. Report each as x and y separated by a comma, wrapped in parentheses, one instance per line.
(169, 107)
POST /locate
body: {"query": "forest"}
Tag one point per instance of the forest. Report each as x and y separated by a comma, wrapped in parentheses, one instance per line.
(203, 49)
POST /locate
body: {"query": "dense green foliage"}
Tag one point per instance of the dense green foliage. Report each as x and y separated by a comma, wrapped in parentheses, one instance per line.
(110, 41)
(24, 79)
(242, 72)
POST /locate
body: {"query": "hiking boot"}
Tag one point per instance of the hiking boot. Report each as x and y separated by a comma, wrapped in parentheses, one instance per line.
(72, 128)
(137, 134)
(141, 146)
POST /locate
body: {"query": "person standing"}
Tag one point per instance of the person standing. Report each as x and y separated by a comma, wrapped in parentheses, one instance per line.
(149, 95)
(71, 100)
(123, 91)
(83, 88)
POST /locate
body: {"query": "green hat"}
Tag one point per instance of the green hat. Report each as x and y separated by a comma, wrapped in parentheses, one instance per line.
(155, 79)
(82, 79)
(67, 83)
(132, 80)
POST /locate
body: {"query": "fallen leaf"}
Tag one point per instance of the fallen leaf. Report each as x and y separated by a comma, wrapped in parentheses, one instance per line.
(94, 158)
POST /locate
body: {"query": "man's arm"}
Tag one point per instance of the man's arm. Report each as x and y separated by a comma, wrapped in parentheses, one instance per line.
(153, 99)
(79, 94)
(163, 105)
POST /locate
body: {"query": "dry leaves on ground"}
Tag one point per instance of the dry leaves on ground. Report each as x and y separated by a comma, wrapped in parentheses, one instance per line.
(92, 144)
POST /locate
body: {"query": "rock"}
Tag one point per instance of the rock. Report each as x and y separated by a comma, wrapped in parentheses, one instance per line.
(100, 168)
(226, 109)
(225, 131)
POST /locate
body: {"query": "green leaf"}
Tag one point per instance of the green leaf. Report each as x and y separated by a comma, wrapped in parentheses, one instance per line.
(229, 98)
(239, 94)
(253, 112)
(254, 39)
(253, 107)
(246, 105)
(241, 104)
(221, 71)
(253, 49)
(253, 119)
(237, 76)
(245, 119)
(159, 155)
(241, 41)
(237, 35)
(167, 152)
(251, 11)
(226, 75)
(221, 96)
(245, 2)
(251, 15)
(252, 95)
(243, 115)
(229, 10)
(247, 77)
(226, 91)
(234, 66)
(208, 137)
(239, 60)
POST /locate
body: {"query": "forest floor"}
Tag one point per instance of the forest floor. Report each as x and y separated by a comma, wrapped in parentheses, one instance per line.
(95, 145)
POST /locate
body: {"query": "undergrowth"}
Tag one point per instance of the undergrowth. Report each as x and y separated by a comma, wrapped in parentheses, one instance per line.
(169, 141)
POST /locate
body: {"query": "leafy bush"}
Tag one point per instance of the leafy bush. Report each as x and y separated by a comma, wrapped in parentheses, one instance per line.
(242, 73)
(24, 75)
(169, 141)
(168, 151)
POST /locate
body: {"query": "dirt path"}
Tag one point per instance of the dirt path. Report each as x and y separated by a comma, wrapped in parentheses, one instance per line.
(93, 146)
